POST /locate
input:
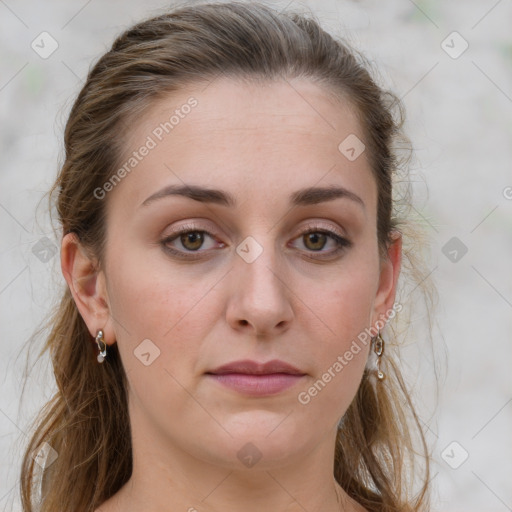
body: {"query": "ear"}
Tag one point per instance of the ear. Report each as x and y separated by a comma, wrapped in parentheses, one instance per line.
(87, 285)
(389, 272)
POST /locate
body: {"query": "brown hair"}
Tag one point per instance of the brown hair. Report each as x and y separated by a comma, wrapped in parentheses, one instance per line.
(86, 422)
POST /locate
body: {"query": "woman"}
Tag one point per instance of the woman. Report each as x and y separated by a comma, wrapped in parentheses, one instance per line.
(232, 251)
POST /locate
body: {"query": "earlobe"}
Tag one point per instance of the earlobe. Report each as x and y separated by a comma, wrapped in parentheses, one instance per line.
(389, 273)
(86, 284)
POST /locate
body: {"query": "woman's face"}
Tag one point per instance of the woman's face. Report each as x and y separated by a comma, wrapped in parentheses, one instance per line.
(245, 171)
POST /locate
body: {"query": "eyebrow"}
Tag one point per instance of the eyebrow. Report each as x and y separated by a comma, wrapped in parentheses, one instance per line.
(303, 197)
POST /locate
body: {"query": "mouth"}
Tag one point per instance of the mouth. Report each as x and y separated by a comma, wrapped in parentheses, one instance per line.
(257, 379)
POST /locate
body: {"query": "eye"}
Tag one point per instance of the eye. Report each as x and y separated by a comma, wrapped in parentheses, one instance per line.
(316, 239)
(188, 239)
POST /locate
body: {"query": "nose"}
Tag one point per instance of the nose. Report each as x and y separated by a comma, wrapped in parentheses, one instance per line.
(260, 302)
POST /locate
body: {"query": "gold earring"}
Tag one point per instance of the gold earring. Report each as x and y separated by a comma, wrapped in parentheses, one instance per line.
(102, 346)
(378, 348)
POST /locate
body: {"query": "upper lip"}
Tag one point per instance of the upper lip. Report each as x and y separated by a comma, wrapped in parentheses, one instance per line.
(255, 368)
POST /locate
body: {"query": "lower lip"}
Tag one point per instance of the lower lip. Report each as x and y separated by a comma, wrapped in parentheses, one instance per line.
(257, 385)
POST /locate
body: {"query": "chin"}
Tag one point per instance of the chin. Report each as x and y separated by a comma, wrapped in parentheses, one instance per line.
(260, 444)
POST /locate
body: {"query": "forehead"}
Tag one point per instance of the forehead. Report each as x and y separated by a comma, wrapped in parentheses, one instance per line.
(256, 139)
(297, 104)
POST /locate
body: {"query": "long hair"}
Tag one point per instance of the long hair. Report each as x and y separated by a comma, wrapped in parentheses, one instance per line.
(380, 441)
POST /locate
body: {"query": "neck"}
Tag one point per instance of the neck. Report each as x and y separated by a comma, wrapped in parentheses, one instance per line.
(170, 479)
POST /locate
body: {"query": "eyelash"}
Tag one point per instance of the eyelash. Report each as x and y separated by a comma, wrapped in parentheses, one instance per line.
(341, 242)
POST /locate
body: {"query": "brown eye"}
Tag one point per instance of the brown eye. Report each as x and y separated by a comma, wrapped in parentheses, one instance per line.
(188, 241)
(192, 240)
(315, 241)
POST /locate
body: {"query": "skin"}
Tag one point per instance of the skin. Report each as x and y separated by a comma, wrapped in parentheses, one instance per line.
(259, 142)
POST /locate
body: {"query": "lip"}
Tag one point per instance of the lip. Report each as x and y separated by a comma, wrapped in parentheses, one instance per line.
(249, 367)
(257, 379)
(256, 385)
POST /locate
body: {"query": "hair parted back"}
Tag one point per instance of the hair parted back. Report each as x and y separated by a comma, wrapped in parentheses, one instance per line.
(86, 422)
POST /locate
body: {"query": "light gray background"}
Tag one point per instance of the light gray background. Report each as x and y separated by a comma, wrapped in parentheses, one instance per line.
(460, 122)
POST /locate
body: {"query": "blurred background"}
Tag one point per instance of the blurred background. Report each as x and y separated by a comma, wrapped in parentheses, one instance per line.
(450, 63)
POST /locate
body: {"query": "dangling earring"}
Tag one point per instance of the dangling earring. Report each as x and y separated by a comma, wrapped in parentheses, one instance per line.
(102, 346)
(378, 348)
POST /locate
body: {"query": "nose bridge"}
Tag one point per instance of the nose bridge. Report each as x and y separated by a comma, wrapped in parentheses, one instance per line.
(261, 298)
(257, 266)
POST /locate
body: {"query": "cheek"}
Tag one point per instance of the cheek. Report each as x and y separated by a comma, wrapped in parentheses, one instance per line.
(170, 309)
(149, 301)
(340, 362)
(344, 303)
(341, 311)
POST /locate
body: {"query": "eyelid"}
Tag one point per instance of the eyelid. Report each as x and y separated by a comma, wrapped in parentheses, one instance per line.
(191, 226)
(312, 225)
